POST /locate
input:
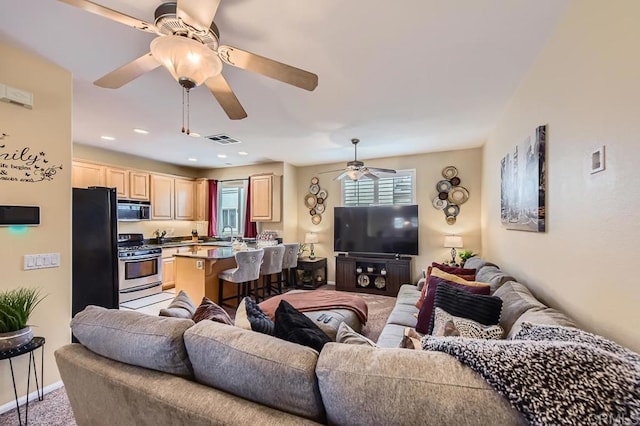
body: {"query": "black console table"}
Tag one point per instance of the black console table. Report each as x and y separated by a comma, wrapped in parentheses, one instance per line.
(311, 273)
(372, 274)
(35, 343)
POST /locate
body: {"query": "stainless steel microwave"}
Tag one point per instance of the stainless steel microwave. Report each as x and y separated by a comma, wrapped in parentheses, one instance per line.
(129, 210)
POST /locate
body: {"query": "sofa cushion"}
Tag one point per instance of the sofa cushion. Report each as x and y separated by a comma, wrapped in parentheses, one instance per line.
(250, 317)
(408, 294)
(180, 307)
(546, 316)
(494, 277)
(135, 338)
(517, 300)
(426, 311)
(336, 317)
(294, 326)
(369, 386)
(391, 336)
(445, 324)
(349, 336)
(406, 315)
(210, 311)
(478, 263)
(257, 367)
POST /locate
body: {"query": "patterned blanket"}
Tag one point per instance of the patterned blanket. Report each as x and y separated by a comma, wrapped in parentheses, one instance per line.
(555, 375)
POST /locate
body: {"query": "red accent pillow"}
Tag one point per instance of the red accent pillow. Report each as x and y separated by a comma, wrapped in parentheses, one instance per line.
(426, 311)
(467, 274)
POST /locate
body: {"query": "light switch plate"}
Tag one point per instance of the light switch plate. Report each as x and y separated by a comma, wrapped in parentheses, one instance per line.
(597, 160)
(41, 261)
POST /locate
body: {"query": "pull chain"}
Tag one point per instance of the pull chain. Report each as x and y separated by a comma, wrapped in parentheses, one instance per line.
(183, 110)
(188, 125)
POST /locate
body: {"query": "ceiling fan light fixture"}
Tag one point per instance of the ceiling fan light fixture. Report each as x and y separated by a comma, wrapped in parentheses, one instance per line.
(189, 62)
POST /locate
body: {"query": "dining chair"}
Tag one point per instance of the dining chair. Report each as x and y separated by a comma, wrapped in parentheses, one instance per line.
(243, 276)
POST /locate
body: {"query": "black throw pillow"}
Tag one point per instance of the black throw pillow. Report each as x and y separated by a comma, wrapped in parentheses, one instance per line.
(294, 326)
(259, 321)
(484, 309)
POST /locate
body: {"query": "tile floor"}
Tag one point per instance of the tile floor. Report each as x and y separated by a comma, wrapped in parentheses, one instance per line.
(152, 308)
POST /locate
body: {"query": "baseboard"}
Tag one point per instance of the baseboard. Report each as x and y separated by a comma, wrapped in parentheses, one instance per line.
(33, 396)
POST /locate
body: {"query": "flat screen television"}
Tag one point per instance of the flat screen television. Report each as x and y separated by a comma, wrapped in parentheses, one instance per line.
(376, 229)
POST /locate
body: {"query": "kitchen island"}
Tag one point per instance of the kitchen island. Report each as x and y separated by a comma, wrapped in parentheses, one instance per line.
(197, 272)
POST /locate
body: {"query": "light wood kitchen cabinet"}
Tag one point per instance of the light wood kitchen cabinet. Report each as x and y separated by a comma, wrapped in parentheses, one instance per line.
(118, 179)
(265, 198)
(184, 199)
(139, 186)
(84, 175)
(162, 197)
(202, 199)
(168, 273)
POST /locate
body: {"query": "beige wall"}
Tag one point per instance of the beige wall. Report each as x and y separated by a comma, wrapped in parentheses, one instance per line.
(46, 128)
(290, 203)
(586, 86)
(433, 227)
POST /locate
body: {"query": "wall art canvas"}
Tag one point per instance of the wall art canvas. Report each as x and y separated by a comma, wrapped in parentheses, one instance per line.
(523, 184)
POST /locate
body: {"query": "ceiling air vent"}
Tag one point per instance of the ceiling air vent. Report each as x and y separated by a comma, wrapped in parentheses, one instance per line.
(223, 139)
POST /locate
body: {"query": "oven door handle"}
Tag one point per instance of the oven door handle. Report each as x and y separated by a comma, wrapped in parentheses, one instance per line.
(136, 259)
(144, 287)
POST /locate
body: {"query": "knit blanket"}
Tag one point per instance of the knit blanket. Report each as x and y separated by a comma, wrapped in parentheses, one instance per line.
(555, 375)
(318, 300)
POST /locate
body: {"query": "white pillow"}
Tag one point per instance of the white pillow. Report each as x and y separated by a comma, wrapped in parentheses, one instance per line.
(445, 324)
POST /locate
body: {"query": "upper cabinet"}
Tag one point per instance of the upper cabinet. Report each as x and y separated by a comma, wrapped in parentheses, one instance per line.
(265, 198)
(119, 179)
(202, 199)
(85, 175)
(184, 199)
(139, 186)
(162, 196)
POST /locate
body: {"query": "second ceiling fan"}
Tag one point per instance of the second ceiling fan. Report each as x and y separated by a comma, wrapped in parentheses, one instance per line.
(356, 169)
(188, 46)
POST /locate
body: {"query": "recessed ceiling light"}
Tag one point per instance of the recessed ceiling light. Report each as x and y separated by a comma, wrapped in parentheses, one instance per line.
(242, 153)
(222, 156)
(108, 138)
(141, 131)
(192, 159)
(194, 135)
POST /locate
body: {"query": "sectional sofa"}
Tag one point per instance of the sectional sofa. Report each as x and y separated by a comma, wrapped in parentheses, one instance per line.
(135, 369)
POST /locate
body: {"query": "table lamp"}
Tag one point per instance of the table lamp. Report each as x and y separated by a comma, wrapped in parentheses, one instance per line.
(453, 242)
(311, 238)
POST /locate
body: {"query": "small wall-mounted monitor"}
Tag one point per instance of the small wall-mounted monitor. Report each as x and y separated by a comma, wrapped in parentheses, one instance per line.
(19, 215)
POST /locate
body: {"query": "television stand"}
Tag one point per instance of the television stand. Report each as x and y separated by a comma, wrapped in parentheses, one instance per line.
(375, 274)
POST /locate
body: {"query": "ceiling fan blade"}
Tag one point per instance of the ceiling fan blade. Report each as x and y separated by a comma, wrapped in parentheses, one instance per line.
(342, 175)
(128, 72)
(197, 13)
(265, 66)
(225, 97)
(114, 15)
(379, 170)
(367, 173)
(331, 171)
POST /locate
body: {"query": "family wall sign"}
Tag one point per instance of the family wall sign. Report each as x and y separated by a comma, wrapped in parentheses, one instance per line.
(25, 164)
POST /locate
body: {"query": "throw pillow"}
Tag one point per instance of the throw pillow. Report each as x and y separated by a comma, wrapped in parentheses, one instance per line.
(478, 307)
(348, 335)
(250, 317)
(426, 311)
(432, 270)
(294, 326)
(461, 272)
(210, 311)
(180, 307)
(411, 339)
(445, 324)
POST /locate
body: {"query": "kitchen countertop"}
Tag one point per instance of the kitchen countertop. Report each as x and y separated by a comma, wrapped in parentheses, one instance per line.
(191, 243)
(212, 254)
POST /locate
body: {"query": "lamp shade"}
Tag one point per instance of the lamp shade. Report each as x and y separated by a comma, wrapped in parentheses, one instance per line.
(311, 238)
(186, 58)
(453, 241)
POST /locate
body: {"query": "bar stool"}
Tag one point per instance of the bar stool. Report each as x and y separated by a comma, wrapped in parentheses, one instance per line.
(271, 264)
(289, 261)
(246, 273)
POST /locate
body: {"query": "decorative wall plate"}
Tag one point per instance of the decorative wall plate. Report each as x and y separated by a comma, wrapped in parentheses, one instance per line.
(312, 212)
(363, 280)
(316, 219)
(451, 210)
(380, 282)
(458, 195)
(314, 180)
(314, 189)
(443, 195)
(443, 186)
(320, 207)
(449, 172)
(455, 181)
(320, 200)
(322, 194)
(439, 203)
(310, 201)
(451, 220)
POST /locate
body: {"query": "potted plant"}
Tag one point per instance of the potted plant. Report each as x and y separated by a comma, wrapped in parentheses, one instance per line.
(303, 248)
(466, 255)
(15, 308)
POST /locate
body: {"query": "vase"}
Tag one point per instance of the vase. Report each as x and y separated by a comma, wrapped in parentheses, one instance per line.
(15, 339)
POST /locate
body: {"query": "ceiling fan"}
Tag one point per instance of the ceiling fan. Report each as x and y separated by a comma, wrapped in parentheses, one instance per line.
(188, 46)
(356, 169)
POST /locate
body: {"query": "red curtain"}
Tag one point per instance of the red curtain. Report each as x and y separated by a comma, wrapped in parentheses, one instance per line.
(213, 207)
(250, 228)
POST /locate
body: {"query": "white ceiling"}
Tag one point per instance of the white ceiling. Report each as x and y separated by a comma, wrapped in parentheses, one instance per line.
(406, 77)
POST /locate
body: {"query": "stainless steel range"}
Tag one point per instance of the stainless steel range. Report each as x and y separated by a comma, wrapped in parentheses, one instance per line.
(139, 267)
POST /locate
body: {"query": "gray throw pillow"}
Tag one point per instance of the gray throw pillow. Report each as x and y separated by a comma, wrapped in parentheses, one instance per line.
(348, 335)
(180, 307)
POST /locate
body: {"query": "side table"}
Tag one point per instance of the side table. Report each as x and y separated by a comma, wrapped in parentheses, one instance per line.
(35, 343)
(311, 273)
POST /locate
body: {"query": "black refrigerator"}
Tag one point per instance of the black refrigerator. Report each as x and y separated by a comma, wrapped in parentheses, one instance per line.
(94, 249)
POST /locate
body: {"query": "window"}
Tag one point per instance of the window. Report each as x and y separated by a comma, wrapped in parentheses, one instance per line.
(232, 202)
(389, 190)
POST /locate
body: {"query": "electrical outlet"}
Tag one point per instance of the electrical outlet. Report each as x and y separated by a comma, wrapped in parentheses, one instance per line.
(199, 264)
